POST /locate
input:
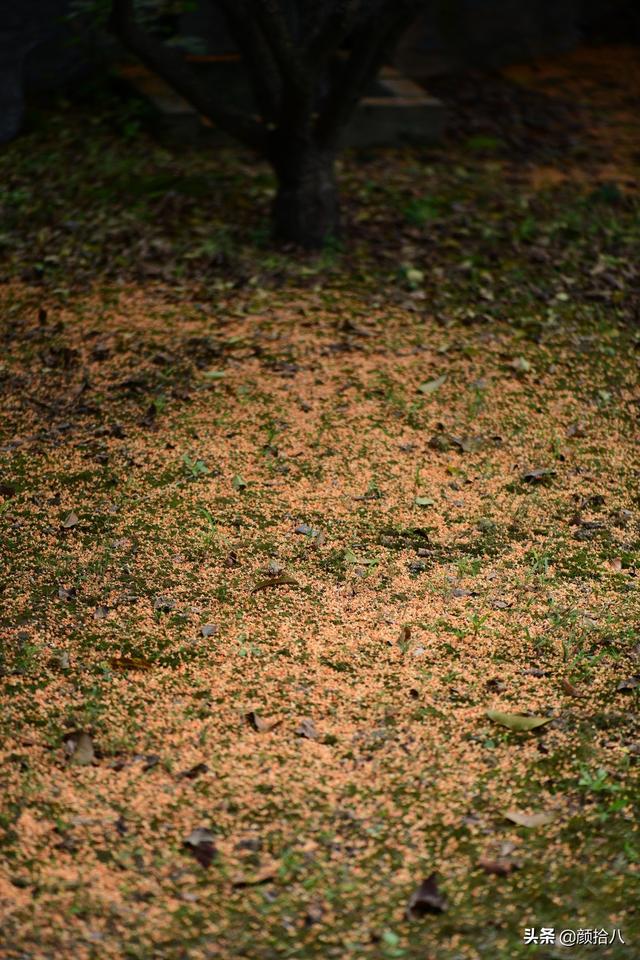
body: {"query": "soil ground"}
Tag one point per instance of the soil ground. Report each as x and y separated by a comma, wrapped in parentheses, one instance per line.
(332, 560)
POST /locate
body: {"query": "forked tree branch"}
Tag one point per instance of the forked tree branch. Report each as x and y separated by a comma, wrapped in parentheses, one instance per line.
(258, 58)
(371, 44)
(170, 65)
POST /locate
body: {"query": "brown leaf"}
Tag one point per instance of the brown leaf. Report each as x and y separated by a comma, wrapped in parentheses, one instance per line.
(200, 843)
(193, 772)
(130, 663)
(264, 874)
(499, 868)
(163, 604)
(260, 725)
(71, 520)
(577, 429)
(538, 475)
(626, 686)
(314, 914)
(569, 688)
(426, 899)
(282, 581)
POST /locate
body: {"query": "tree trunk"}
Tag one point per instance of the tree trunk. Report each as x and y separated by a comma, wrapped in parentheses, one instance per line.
(305, 209)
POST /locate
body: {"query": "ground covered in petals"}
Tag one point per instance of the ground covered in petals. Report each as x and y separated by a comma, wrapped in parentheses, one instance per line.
(319, 575)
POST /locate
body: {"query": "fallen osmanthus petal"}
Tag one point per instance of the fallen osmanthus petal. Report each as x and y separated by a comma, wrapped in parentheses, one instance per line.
(200, 843)
(426, 899)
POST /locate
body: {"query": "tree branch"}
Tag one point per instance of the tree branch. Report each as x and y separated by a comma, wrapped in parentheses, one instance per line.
(170, 66)
(371, 45)
(336, 27)
(257, 56)
(297, 78)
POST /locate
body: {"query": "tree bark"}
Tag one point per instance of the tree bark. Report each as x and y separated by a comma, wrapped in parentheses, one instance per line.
(306, 207)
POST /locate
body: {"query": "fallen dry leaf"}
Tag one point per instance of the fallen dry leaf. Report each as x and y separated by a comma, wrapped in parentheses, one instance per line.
(569, 688)
(517, 721)
(263, 874)
(193, 772)
(122, 664)
(540, 819)
(78, 747)
(430, 386)
(306, 728)
(499, 868)
(283, 581)
(260, 725)
(426, 899)
(200, 843)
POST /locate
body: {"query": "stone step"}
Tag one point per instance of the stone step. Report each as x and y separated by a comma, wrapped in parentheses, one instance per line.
(396, 110)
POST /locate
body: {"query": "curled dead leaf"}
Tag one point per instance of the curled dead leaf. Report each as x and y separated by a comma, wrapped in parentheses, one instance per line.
(78, 747)
(264, 874)
(538, 475)
(260, 725)
(200, 843)
(307, 728)
(193, 772)
(282, 581)
(427, 898)
(430, 386)
(569, 688)
(540, 819)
